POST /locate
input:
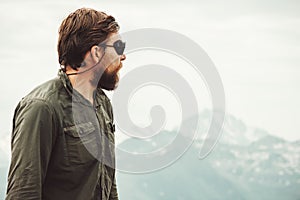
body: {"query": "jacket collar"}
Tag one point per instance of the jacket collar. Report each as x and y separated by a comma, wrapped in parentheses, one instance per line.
(99, 95)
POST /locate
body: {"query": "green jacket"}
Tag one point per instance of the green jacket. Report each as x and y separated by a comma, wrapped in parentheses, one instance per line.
(62, 145)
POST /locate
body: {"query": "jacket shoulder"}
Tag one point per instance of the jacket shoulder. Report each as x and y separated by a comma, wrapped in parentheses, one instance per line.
(46, 91)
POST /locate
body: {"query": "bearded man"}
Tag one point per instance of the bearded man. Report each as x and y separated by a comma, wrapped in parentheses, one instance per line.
(63, 131)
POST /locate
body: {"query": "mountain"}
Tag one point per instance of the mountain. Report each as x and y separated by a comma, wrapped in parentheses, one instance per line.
(4, 162)
(3, 182)
(247, 163)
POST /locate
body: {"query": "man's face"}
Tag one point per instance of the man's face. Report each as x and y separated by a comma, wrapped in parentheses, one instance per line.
(111, 63)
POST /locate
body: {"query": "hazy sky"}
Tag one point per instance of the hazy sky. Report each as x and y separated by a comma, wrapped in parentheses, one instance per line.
(254, 44)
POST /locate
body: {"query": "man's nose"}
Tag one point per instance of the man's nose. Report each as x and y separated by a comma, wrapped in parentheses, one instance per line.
(123, 57)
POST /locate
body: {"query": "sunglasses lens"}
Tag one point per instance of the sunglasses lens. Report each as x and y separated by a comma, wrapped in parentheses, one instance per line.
(119, 47)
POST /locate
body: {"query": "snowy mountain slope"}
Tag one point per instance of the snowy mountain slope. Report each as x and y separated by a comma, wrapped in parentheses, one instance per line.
(247, 163)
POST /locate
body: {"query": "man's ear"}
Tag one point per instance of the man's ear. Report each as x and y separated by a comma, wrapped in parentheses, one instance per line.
(95, 53)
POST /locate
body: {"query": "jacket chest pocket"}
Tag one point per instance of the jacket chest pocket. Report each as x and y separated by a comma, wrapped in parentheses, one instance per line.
(82, 143)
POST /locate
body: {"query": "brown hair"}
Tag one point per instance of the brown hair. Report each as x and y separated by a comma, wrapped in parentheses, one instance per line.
(80, 31)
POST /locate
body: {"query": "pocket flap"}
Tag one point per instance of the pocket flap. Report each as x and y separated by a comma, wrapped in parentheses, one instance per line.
(79, 130)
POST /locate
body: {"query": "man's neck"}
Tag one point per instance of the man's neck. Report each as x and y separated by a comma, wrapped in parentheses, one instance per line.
(82, 84)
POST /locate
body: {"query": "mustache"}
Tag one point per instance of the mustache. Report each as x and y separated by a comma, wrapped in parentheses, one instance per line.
(119, 67)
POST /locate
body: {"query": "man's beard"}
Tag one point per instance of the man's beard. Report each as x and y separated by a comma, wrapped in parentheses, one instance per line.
(108, 80)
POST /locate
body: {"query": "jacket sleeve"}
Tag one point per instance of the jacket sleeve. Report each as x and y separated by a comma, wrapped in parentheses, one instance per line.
(31, 144)
(113, 192)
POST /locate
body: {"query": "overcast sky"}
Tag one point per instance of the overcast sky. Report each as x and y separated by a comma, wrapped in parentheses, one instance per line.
(254, 44)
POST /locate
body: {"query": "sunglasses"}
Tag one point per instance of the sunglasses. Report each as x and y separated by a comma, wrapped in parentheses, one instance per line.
(118, 45)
